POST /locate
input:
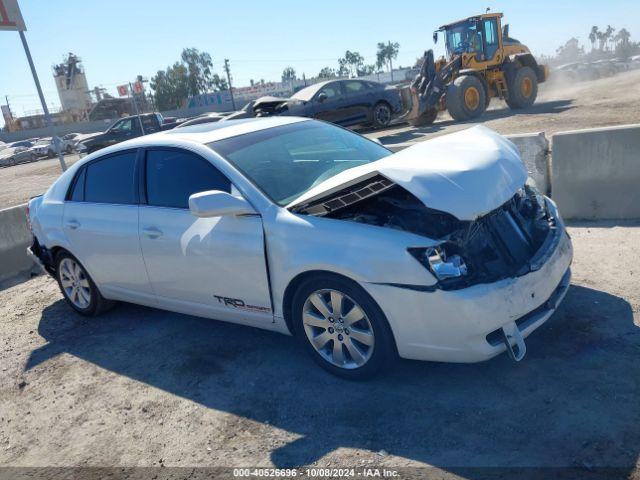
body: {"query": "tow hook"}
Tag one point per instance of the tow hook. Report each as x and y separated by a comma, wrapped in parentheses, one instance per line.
(511, 333)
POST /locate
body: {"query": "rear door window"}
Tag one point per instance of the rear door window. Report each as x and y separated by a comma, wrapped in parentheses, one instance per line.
(111, 179)
(77, 194)
(173, 175)
(354, 87)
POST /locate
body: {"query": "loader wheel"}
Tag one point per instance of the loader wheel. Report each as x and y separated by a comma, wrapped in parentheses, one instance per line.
(427, 118)
(466, 98)
(523, 87)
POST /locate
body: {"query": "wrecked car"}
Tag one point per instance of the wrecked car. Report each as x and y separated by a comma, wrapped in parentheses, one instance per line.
(443, 251)
(345, 102)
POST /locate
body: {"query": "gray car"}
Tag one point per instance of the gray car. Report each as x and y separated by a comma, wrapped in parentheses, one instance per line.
(345, 102)
(17, 153)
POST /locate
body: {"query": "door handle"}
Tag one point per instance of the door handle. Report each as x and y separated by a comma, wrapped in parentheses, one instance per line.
(152, 232)
(73, 224)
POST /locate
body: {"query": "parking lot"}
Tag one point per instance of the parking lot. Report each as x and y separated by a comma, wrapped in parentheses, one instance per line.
(141, 387)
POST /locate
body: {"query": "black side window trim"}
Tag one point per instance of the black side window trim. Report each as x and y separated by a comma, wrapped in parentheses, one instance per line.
(141, 171)
(136, 181)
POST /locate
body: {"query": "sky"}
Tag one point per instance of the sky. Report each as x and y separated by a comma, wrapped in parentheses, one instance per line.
(119, 39)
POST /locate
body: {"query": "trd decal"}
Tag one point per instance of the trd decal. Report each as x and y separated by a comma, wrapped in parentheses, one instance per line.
(240, 304)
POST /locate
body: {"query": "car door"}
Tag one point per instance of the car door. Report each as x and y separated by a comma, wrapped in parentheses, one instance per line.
(125, 129)
(215, 266)
(100, 221)
(359, 100)
(329, 103)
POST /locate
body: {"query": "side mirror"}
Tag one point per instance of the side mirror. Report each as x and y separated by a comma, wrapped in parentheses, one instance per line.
(435, 37)
(215, 203)
(322, 97)
(505, 31)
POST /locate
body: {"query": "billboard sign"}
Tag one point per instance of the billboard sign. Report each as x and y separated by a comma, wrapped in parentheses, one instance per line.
(10, 16)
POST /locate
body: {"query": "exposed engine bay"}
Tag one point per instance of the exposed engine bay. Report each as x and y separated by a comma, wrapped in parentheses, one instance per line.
(497, 245)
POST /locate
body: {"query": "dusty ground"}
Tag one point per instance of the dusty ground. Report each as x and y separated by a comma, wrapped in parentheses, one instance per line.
(608, 101)
(141, 387)
(21, 182)
(559, 107)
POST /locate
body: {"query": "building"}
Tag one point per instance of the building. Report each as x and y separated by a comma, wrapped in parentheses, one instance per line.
(72, 86)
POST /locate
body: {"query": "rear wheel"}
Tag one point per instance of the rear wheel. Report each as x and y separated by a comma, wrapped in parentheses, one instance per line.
(341, 327)
(427, 118)
(381, 115)
(466, 98)
(78, 288)
(522, 84)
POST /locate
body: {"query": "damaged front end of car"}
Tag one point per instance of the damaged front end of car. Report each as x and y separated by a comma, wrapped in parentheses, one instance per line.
(501, 244)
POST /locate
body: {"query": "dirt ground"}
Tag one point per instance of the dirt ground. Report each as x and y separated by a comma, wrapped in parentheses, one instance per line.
(21, 182)
(142, 387)
(560, 107)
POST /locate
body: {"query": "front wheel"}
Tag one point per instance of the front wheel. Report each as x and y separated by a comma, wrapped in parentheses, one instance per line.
(342, 327)
(381, 115)
(78, 288)
(466, 98)
(522, 86)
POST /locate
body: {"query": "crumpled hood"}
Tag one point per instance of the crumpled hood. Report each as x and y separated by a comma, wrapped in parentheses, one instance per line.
(467, 173)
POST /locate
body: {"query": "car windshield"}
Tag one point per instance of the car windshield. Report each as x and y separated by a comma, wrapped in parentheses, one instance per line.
(285, 162)
(307, 93)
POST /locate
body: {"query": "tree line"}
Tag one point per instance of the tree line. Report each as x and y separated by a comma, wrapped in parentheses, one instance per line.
(352, 64)
(604, 43)
(193, 74)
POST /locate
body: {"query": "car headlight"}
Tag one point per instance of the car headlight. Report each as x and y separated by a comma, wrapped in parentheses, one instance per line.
(439, 263)
(81, 147)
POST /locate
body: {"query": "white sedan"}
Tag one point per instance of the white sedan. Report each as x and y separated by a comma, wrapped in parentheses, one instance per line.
(441, 252)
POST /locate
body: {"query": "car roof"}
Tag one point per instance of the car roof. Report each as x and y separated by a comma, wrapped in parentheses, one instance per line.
(211, 132)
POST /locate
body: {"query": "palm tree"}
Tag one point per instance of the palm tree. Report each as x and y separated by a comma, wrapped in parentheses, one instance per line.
(386, 53)
(593, 36)
(608, 35)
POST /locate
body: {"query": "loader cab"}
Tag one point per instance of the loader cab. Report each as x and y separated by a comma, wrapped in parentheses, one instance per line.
(477, 39)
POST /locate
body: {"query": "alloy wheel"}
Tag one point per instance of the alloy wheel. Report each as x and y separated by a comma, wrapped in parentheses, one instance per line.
(75, 283)
(383, 114)
(338, 329)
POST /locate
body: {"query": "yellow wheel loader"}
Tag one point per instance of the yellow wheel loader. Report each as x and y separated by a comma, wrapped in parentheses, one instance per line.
(482, 62)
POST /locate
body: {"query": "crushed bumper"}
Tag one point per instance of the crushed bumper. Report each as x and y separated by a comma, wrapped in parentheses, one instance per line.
(461, 325)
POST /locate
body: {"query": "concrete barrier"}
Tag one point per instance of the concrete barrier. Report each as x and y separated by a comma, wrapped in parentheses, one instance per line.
(15, 237)
(596, 173)
(534, 151)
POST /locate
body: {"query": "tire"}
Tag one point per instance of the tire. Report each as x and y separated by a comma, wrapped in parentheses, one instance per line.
(381, 115)
(32, 158)
(466, 98)
(427, 118)
(358, 357)
(69, 149)
(71, 275)
(522, 84)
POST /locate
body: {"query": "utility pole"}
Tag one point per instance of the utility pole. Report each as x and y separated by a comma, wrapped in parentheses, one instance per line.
(135, 107)
(390, 60)
(47, 117)
(228, 70)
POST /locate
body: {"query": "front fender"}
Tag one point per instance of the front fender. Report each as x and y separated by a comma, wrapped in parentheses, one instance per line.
(297, 244)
